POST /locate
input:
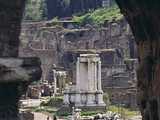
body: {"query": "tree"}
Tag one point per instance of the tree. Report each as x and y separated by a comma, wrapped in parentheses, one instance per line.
(35, 10)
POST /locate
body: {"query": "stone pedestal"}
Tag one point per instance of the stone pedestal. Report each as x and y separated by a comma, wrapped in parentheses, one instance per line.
(88, 91)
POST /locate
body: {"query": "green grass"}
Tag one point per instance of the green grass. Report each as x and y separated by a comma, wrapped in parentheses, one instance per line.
(99, 16)
(90, 113)
(123, 111)
(50, 106)
(53, 104)
(64, 114)
(44, 109)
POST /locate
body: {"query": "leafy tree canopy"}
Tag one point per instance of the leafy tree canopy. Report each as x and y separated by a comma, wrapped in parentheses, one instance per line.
(99, 16)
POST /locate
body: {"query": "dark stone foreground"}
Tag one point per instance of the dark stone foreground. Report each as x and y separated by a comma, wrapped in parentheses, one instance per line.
(143, 17)
(15, 73)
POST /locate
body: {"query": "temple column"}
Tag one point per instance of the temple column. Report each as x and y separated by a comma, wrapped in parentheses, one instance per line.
(89, 75)
(55, 82)
(95, 76)
(88, 91)
(99, 92)
(77, 96)
(77, 74)
(99, 76)
(92, 76)
(90, 96)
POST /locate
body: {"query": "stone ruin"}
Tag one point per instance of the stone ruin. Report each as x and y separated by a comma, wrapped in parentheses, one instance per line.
(87, 93)
(61, 46)
(49, 88)
(59, 80)
(118, 75)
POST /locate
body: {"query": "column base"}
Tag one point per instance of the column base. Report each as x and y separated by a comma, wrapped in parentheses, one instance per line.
(84, 100)
(95, 107)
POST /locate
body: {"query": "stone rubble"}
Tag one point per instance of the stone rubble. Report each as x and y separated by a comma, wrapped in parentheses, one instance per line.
(108, 116)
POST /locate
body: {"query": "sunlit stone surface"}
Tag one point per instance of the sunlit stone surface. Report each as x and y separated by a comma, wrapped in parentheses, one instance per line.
(88, 91)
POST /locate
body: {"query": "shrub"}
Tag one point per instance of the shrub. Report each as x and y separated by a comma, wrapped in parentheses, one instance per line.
(99, 16)
(125, 112)
(35, 10)
(53, 102)
(106, 99)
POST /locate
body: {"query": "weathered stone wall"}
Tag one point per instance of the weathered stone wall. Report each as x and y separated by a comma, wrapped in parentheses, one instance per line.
(54, 43)
(15, 73)
(60, 46)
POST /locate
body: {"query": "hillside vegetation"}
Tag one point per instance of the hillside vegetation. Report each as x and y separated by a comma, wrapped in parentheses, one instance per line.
(99, 16)
(35, 10)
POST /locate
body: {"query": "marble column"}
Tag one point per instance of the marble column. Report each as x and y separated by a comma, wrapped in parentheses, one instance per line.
(77, 95)
(55, 82)
(89, 75)
(99, 92)
(95, 76)
(77, 74)
(99, 76)
(92, 76)
(88, 91)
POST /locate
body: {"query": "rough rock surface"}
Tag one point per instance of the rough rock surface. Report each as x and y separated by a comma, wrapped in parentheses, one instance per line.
(60, 46)
(15, 73)
(19, 70)
(143, 18)
(57, 43)
(11, 14)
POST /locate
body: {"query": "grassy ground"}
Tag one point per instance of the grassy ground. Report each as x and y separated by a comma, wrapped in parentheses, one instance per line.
(125, 112)
(53, 104)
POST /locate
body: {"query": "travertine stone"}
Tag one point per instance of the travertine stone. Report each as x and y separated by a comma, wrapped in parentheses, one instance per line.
(88, 91)
(55, 82)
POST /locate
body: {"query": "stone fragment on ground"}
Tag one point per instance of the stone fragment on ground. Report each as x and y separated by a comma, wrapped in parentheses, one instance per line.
(108, 116)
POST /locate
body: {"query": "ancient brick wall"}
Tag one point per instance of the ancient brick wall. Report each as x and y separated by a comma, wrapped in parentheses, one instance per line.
(39, 39)
(60, 46)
